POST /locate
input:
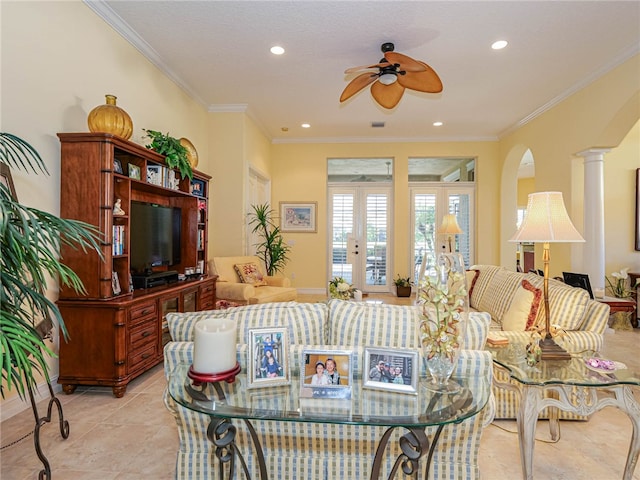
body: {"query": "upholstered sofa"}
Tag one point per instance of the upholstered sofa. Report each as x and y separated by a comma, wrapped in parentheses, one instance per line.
(257, 288)
(515, 302)
(324, 451)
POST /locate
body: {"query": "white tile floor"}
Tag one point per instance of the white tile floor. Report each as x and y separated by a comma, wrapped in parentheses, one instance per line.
(134, 437)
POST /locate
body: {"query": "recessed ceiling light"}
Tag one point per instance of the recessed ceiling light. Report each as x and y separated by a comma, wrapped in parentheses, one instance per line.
(277, 50)
(437, 124)
(499, 45)
(305, 125)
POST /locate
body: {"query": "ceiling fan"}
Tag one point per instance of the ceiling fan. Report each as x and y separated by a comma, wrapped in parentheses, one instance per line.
(395, 72)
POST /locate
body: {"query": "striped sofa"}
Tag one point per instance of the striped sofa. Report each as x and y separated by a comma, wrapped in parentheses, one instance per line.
(582, 320)
(324, 451)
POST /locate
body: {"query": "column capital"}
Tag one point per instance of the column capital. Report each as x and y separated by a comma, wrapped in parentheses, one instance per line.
(597, 152)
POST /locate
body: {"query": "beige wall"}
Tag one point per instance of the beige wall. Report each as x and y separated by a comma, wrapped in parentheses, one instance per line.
(525, 187)
(605, 110)
(58, 61)
(300, 171)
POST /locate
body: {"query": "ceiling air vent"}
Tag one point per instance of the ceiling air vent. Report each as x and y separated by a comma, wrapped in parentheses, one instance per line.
(377, 124)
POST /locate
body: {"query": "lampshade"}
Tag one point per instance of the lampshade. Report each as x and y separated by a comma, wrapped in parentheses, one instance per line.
(546, 220)
(450, 225)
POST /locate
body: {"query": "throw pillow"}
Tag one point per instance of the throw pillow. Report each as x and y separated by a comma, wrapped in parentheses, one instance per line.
(522, 312)
(249, 273)
(472, 276)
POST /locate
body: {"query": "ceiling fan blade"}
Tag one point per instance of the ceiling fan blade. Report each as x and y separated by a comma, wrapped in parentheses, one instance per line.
(387, 96)
(357, 84)
(364, 67)
(407, 64)
(427, 81)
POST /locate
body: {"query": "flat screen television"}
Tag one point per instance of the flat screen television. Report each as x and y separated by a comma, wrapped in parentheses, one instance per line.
(154, 236)
(580, 280)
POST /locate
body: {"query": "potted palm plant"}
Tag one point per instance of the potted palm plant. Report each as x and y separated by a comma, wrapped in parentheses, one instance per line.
(29, 256)
(403, 286)
(272, 249)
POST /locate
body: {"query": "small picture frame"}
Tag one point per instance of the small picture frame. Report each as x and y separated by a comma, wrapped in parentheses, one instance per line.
(197, 187)
(134, 171)
(268, 357)
(117, 166)
(391, 369)
(298, 217)
(319, 380)
(115, 283)
(154, 174)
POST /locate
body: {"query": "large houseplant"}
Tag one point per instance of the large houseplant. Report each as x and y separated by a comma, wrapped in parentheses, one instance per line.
(272, 249)
(29, 256)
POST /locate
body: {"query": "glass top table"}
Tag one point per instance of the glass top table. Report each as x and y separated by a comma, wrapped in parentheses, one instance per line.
(224, 402)
(570, 385)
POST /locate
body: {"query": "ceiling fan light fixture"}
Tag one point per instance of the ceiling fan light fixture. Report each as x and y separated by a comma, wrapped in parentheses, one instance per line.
(388, 78)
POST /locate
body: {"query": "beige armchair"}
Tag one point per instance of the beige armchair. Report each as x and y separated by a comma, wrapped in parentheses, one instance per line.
(230, 287)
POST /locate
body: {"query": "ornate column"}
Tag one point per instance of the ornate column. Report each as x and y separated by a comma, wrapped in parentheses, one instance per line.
(593, 253)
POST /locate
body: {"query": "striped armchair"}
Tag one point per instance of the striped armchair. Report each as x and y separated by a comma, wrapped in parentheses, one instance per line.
(322, 451)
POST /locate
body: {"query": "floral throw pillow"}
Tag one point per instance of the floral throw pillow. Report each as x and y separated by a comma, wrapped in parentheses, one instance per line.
(249, 273)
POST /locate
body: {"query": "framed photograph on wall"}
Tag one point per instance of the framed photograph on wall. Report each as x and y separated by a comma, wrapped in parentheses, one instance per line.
(268, 357)
(391, 369)
(298, 217)
(637, 208)
(326, 374)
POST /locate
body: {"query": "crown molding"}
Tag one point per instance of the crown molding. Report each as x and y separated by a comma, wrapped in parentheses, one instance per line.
(116, 22)
(625, 55)
(383, 140)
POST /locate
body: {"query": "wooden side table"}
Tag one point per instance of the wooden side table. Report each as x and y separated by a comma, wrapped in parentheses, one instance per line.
(617, 305)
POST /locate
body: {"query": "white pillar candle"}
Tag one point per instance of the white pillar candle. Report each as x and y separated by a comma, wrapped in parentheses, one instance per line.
(214, 345)
(357, 296)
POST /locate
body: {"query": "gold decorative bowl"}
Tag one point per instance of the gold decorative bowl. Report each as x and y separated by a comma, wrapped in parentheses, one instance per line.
(192, 153)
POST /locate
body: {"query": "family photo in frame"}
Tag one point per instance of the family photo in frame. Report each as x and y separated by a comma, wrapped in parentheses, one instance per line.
(268, 357)
(326, 374)
(391, 369)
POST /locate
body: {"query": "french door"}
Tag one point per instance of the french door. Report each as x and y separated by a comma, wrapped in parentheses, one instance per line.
(429, 204)
(359, 235)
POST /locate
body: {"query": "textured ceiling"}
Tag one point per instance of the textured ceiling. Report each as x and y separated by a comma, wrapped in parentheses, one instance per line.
(219, 53)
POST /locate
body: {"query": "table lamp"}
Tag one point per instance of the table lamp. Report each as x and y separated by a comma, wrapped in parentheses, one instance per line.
(546, 220)
(450, 227)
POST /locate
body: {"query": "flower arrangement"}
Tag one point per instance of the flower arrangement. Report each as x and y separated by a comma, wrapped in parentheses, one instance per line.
(443, 307)
(341, 289)
(619, 287)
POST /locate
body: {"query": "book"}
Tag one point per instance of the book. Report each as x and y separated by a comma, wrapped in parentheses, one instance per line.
(496, 339)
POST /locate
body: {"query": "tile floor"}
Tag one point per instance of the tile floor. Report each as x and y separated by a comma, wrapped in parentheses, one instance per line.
(134, 437)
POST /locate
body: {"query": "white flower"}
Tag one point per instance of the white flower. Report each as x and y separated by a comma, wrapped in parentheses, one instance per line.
(621, 274)
(343, 287)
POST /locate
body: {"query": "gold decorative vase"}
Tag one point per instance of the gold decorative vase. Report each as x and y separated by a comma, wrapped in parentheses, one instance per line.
(110, 118)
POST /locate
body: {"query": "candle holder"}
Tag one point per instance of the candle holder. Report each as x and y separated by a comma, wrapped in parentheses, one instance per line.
(228, 376)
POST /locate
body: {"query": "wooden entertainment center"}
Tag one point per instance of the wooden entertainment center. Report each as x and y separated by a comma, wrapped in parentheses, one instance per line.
(115, 332)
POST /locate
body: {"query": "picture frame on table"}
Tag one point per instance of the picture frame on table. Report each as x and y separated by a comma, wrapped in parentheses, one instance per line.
(391, 369)
(268, 357)
(115, 283)
(134, 171)
(117, 166)
(332, 382)
(298, 217)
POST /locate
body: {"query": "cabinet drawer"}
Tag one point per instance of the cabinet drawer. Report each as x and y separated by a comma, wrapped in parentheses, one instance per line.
(143, 334)
(207, 290)
(207, 304)
(141, 312)
(141, 356)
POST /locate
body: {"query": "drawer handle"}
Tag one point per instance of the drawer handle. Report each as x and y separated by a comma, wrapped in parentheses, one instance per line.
(147, 333)
(145, 356)
(120, 324)
(144, 312)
